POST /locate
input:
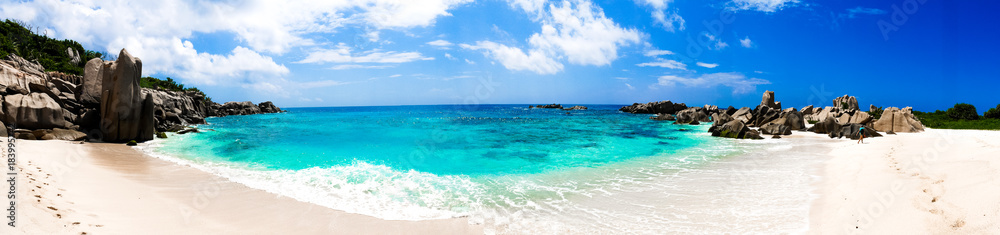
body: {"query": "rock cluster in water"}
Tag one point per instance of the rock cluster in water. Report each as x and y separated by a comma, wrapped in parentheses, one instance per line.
(842, 120)
(558, 106)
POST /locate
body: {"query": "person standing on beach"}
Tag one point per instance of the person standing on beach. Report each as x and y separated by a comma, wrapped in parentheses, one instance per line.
(861, 132)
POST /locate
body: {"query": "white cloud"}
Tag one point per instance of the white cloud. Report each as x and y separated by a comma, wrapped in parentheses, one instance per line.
(760, 5)
(665, 63)
(707, 65)
(405, 14)
(516, 59)
(583, 34)
(358, 66)
(670, 21)
(268, 88)
(446, 55)
(469, 61)
(342, 54)
(629, 86)
(854, 12)
(576, 31)
(715, 43)
(655, 53)
(159, 32)
(737, 81)
(440, 43)
(621, 78)
(321, 84)
(746, 42)
(396, 75)
(534, 7)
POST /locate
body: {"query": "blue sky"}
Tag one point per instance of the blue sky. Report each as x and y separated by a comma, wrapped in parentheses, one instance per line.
(929, 54)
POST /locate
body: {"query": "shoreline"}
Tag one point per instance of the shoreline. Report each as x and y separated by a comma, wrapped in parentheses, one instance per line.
(115, 189)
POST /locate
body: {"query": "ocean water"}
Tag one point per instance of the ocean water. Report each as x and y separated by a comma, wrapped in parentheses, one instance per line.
(510, 168)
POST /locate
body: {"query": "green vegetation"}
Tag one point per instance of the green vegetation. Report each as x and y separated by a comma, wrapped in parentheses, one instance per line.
(876, 113)
(963, 111)
(958, 117)
(131, 143)
(993, 113)
(17, 38)
(167, 85)
(161, 135)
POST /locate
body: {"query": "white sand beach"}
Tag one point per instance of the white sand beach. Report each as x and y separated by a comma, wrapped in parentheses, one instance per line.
(935, 182)
(93, 188)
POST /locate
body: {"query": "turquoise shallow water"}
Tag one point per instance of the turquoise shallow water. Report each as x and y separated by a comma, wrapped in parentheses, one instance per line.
(493, 163)
(441, 140)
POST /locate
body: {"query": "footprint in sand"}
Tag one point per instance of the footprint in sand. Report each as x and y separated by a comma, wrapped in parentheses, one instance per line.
(958, 224)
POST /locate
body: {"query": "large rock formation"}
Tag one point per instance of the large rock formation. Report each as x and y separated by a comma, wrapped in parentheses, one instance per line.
(792, 119)
(743, 114)
(60, 134)
(721, 118)
(89, 93)
(853, 131)
(768, 101)
(734, 129)
(692, 115)
(897, 120)
(33, 111)
(807, 110)
(238, 108)
(73, 55)
(845, 110)
(846, 102)
(29, 100)
(17, 75)
(654, 107)
(827, 125)
(663, 117)
(106, 102)
(775, 129)
(126, 113)
(178, 108)
(549, 106)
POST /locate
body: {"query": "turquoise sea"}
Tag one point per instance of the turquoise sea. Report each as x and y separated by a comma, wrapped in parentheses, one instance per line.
(506, 166)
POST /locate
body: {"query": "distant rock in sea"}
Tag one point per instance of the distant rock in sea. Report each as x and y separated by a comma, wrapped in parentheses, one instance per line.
(549, 106)
(654, 107)
(558, 106)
